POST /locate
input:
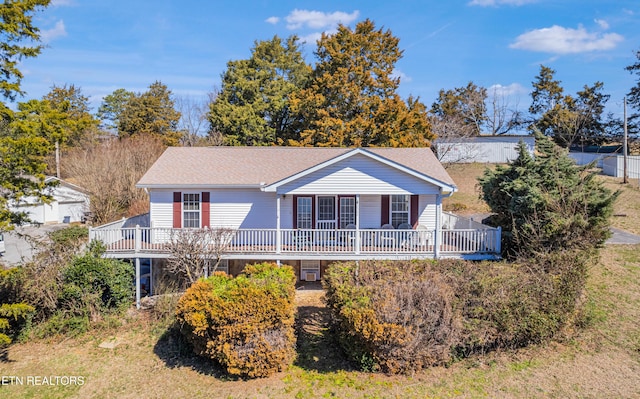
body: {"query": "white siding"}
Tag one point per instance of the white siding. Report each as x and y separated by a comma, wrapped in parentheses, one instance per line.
(370, 211)
(235, 208)
(245, 209)
(427, 212)
(161, 208)
(359, 175)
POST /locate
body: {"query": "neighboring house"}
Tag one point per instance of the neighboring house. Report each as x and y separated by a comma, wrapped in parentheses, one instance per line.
(482, 149)
(302, 206)
(70, 204)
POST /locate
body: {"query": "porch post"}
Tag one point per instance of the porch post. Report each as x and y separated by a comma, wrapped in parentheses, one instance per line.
(278, 235)
(151, 287)
(436, 237)
(358, 243)
(137, 283)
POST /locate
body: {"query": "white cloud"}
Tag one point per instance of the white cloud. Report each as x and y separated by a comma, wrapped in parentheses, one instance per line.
(602, 23)
(61, 3)
(318, 19)
(560, 40)
(404, 78)
(272, 20)
(312, 38)
(58, 30)
(514, 89)
(495, 3)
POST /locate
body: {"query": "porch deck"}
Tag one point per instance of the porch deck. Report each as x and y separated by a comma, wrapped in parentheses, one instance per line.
(281, 244)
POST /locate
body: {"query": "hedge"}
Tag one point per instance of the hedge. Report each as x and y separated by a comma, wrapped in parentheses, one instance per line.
(246, 323)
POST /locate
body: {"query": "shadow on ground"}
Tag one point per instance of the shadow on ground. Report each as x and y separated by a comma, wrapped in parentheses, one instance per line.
(318, 348)
(176, 352)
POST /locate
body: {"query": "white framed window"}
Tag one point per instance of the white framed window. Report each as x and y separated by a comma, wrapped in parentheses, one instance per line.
(304, 217)
(191, 210)
(399, 209)
(347, 211)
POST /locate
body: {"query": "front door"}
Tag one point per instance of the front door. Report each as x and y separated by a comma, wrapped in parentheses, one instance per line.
(326, 213)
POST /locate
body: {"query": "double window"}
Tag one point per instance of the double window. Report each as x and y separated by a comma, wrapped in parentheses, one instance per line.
(191, 210)
(399, 210)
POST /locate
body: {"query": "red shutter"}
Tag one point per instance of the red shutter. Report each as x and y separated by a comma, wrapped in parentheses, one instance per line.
(295, 212)
(206, 209)
(177, 210)
(384, 209)
(414, 211)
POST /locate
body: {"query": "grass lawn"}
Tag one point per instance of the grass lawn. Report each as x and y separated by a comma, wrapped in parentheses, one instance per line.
(600, 361)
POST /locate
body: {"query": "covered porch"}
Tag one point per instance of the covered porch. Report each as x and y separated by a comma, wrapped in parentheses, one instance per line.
(459, 237)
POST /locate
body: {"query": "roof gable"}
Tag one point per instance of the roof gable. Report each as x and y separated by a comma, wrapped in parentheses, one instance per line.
(447, 186)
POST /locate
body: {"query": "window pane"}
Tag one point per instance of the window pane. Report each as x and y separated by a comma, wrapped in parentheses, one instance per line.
(192, 219)
(304, 213)
(399, 210)
(347, 211)
(326, 208)
(191, 210)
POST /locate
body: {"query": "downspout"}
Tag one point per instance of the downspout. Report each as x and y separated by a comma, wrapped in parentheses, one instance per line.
(278, 235)
(438, 235)
(358, 243)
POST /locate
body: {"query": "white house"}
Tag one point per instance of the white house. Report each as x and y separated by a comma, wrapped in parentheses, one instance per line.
(70, 203)
(303, 206)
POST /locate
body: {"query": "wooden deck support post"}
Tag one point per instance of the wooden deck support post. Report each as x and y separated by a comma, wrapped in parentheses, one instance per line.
(137, 282)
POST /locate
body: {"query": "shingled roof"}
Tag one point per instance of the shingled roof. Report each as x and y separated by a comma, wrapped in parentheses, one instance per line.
(259, 166)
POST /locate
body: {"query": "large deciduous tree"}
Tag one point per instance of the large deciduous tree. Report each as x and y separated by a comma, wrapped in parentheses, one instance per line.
(152, 112)
(351, 99)
(252, 107)
(464, 106)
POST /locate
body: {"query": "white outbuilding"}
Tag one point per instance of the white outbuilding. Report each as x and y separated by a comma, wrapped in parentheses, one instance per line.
(70, 204)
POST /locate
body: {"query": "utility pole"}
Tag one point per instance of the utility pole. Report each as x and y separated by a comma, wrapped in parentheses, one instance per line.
(57, 159)
(625, 179)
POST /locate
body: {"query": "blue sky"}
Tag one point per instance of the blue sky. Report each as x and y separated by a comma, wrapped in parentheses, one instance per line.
(101, 46)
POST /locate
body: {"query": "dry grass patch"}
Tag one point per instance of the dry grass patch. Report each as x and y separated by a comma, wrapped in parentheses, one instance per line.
(466, 201)
(627, 207)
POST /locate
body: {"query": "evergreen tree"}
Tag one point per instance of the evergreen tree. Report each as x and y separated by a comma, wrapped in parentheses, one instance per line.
(22, 157)
(112, 106)
(634, 97)
(153, 113)
(252, 108)
(547, 203)
(81, 125)
(351, 99)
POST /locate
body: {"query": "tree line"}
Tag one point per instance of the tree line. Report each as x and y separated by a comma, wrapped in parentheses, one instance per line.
(348, 97)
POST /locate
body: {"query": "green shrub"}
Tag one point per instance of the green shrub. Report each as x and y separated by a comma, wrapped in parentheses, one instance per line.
(243, 323)
(94, 285)
(10, 281)
(14, 318)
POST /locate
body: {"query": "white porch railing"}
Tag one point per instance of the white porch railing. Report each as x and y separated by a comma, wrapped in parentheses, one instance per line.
(310, 241)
